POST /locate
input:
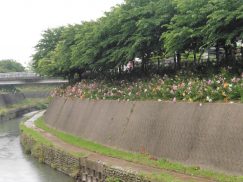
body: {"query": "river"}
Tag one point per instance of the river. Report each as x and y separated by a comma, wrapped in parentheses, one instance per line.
(16, 166)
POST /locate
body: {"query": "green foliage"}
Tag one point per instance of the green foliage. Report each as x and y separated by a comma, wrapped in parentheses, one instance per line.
(10, 65)
(112, 179)
(185, 29)
(42, 62)
(140, 29)
(225, 22)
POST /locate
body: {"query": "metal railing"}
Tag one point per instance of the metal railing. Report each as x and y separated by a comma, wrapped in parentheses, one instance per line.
(19, 76)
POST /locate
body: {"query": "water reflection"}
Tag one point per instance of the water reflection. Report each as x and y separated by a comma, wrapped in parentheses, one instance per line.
(17, 166)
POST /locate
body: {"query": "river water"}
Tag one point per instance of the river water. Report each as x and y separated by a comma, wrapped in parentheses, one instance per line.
(16, 166)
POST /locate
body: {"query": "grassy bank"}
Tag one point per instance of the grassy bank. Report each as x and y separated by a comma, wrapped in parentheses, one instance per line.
(145, 159)
(40, 140)
(34, 134)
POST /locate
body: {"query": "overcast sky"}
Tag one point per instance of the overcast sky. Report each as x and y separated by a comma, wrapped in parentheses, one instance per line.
(23, 21)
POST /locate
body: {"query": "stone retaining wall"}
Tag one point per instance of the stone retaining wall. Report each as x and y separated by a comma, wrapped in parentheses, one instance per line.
(80, 168)
(208, 135)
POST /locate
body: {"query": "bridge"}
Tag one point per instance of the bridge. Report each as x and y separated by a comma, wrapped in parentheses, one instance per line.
(22, 78)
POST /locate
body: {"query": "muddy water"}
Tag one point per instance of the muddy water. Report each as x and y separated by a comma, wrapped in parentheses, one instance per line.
(15, 166)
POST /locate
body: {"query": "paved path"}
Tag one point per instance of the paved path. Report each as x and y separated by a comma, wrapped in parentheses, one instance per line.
(114, 162)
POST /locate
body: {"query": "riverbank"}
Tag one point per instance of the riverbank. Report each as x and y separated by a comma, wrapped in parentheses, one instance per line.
(86, 160)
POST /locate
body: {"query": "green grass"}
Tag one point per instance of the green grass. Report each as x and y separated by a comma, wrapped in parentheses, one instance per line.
(43, 141)
(34, 134)
(137, 158)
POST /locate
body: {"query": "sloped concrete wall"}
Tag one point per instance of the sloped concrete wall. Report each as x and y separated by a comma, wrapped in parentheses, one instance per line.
(9, 99)
(210, 135)
(33, 95)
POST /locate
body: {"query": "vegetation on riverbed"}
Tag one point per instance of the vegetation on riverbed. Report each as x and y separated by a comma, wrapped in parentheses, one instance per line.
(141, 158)
(37, 103)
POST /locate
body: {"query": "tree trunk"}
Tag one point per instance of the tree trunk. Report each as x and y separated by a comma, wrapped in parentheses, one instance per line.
(226, 53)
(175, 62)
(178, 56)
(143, 65)
(195, 57)
(234, 51)
(217, 54)
(241, 51)
(70, 78)
(200, 56)
(208, 60)
(158, 67)
(80, 75)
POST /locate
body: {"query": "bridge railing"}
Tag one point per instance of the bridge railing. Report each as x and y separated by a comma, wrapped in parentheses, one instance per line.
(19, 76)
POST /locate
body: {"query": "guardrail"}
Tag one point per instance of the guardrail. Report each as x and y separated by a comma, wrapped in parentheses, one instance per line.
(19, 76)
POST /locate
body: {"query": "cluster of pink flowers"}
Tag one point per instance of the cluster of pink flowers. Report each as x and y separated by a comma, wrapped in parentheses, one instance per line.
(219, 87)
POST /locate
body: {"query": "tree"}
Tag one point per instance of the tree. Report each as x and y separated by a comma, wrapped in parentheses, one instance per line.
(10, 65)
(225, 25)
(44, 49)
(185, 31)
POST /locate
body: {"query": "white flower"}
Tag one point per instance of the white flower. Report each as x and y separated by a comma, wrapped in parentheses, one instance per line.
(174, 99)
(209, 99)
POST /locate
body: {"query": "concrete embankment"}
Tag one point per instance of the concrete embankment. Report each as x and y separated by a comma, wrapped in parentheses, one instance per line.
(89, 166)
(10, 99)
(207, 135)
(36, 94)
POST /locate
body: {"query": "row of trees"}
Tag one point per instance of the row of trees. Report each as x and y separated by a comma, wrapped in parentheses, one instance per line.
(142, 29)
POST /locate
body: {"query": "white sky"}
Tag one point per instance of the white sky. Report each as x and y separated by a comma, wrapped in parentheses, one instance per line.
(23, 21)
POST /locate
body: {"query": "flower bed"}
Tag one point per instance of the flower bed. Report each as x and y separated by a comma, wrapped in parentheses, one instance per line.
(219, 87)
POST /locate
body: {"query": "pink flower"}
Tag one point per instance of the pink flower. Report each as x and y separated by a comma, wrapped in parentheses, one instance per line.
(235, 80)
(174, 88)
(209, 82)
